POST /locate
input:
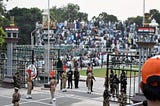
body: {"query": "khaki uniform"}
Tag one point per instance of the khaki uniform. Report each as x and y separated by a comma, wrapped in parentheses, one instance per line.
(16, 98)
(89, 81)
(52, 88)
(64, 79)
(30, 87)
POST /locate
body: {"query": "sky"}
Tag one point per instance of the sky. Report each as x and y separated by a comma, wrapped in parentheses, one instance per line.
(120, 8)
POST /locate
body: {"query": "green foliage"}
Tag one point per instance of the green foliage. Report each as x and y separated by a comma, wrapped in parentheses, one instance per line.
(25, 19)
(106, 17)
(2, 36)
(138, 20)
(69, 13)
(155, 14)
(101, 72)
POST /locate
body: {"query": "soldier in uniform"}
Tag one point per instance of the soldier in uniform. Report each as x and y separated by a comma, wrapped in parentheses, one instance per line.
(59, 66)
(64, 80)
(17, 80)
(69, 76)
(16, 97)
(115, 82)
(123, 81)
(122, 99)
(111, 81)
(52, 88)
(29, 85)
(89, 69)
(89, 81)
(76, 77)
(106, 97)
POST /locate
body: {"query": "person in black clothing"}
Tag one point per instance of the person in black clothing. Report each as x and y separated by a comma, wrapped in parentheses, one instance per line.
(93, 78)
(59, 66)
(123, 81)
(111, 81)
(106, 96)
(115, 82)
(17, 80)
(69, 75)
(80, 61)
(76, 77)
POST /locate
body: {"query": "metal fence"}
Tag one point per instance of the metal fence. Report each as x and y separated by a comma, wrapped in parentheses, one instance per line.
(130, 65)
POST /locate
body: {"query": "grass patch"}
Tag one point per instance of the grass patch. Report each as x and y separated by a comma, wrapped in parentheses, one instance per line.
(97, 72)
(101, 72)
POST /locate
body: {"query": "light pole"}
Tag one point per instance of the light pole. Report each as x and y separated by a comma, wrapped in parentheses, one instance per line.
(48, 38)
(143, 12)
(32, 44)
(32, 38)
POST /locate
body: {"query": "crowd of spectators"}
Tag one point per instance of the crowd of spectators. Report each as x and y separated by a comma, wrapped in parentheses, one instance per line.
(93, 39)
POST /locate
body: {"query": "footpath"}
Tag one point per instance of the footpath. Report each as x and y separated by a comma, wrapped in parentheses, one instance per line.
(98, 89)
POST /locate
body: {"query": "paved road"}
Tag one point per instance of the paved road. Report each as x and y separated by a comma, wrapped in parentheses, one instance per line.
(73, 97)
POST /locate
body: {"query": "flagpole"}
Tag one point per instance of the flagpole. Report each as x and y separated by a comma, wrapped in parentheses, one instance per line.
(48, 38)
(143, 12)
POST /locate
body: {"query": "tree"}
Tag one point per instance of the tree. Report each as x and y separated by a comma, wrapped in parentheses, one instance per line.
(138, 20)
(2, 8)
(57, 14)
(68, 13)
(155, 15)
(2, 36)
(112, 18)
(71, 11)
(106, 17)
(25, 19)
(82, 16)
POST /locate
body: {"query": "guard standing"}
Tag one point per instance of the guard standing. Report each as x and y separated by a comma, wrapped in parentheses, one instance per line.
(123, 81)
(52, 86)
(64, 79)
(115, 85)
(17, 80)
(69, 75)
(111, 81)
(76, 77)
(106, 97)
(59, 66)
(16, 97)
(29, 85)
(122, 99)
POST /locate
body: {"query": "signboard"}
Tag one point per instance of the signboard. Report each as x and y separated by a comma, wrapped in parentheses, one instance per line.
(146, 30)
(32, 70)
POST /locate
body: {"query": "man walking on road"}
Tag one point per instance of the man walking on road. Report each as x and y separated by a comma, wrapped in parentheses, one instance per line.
(29, 85)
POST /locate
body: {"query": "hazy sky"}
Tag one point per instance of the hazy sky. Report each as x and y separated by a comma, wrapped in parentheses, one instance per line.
(120, 8)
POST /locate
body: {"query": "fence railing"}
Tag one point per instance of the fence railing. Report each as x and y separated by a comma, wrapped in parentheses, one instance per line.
(129, 65)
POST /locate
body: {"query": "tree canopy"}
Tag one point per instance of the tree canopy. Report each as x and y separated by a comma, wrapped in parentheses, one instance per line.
(25, 19)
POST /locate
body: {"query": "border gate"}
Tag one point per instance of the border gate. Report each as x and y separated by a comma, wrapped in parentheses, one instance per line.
(130, 65)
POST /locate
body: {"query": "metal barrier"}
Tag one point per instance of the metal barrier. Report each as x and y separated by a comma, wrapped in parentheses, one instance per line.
(136, 104)
(123, 63)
